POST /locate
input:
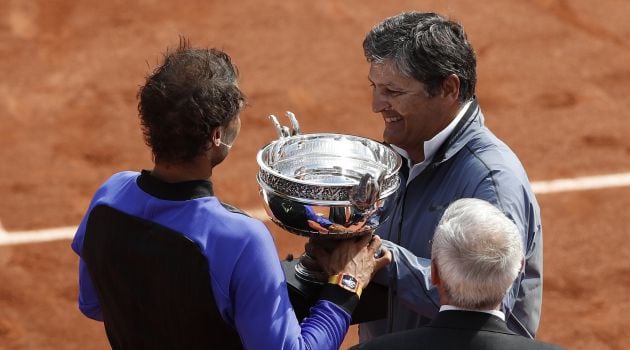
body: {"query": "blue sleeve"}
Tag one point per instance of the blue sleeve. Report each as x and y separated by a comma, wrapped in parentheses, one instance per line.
(88, 299)
(262, 311)
(311, 215)
(89, 303)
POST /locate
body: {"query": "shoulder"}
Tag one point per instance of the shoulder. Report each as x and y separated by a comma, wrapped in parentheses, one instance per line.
(116, 188)
(232, 209)
(486, 158)
(122, 176)
(229, 237)
(118, 180)
(489, 150)
(410, 339)
(238, 225)
(449, 338)
(114, 185)
(520, 342)
(236, 216)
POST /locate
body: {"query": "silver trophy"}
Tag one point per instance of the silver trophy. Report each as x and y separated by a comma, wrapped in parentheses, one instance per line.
(325, 186)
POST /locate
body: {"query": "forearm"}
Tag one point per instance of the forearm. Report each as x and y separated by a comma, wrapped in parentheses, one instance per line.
(409, 276)
(270, 322)
(257, 300)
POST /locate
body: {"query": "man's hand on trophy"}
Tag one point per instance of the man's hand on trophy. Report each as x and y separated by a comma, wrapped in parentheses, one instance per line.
(383, 257)
(355, 256)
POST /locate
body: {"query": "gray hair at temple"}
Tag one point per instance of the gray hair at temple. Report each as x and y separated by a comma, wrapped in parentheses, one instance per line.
(478, 252)
(426, 47)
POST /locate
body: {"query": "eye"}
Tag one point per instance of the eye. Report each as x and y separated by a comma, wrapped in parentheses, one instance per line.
(387, 91)
(391, 92)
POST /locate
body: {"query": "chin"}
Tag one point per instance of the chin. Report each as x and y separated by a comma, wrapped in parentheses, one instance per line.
(388, 139)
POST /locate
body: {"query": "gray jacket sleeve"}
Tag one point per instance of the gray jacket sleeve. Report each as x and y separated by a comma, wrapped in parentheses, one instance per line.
(523, 301)
(409, 277)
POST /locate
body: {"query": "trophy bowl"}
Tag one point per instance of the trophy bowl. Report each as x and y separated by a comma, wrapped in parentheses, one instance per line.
(325, 186)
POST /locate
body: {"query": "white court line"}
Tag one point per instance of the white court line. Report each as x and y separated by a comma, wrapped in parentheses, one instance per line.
(35, 236)
(65, 233)
(582, 183)
(539, 187)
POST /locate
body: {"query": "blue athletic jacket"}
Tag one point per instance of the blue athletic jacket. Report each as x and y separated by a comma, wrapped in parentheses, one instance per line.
(247, 280)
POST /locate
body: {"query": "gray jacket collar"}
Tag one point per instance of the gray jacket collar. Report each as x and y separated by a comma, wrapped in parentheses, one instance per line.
(463, 132)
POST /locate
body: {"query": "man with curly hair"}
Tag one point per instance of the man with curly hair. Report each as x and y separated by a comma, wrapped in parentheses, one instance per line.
(166, 265)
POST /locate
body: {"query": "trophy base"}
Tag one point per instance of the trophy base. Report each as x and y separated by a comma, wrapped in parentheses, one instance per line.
(304, 294)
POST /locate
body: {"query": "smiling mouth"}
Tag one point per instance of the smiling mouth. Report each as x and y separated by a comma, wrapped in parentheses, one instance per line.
(392, 119)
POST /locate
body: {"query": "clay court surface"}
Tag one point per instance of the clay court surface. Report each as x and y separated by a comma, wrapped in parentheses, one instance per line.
(554, 81)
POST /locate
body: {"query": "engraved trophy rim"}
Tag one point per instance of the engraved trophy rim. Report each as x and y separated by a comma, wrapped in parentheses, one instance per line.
(321, 194)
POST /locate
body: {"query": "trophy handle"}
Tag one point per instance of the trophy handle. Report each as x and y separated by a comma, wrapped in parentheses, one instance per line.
(284, 131)
(294, 123)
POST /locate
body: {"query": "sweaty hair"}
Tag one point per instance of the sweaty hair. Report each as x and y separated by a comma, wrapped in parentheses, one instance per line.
(426, 47)
(192, 92)
(478, 252)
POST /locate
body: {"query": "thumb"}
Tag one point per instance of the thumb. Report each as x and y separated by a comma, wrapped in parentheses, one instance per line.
(382, 261)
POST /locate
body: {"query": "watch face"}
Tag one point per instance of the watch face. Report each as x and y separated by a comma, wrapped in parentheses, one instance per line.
(349, 282)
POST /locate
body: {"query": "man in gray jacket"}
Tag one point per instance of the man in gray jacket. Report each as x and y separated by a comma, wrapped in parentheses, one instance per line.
(423, 74)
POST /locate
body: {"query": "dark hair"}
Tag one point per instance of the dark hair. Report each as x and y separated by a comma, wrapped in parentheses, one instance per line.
(193, 91)
(426, 47)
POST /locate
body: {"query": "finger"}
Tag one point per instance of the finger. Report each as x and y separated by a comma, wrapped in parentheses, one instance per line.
(365, 240)
(385, 259)
(375, 244)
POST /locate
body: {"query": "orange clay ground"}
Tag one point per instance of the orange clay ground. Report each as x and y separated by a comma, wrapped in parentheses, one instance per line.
(554, 81)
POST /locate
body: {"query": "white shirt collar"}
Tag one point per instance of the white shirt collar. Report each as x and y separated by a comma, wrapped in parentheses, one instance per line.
(431, 146)
(496, 313)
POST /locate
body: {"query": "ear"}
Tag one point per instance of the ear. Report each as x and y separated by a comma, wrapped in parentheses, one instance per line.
(216, 136)
(435, 275)
(450, 87)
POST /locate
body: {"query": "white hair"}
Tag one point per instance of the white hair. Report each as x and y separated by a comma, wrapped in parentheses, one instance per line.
(478, 252)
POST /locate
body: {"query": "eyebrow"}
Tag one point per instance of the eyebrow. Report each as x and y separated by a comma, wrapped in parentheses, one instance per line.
(388, 84)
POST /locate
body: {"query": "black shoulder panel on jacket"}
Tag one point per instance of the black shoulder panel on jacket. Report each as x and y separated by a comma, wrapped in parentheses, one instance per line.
(153, 285)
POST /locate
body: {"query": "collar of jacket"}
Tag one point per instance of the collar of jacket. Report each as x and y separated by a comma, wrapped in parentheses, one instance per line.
(178, 191)
(460, 135)
(471, 320)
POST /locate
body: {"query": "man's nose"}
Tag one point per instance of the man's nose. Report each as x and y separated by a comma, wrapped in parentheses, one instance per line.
(379, 103)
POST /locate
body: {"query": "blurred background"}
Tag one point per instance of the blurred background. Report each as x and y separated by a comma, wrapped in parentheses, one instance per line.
(553, 81)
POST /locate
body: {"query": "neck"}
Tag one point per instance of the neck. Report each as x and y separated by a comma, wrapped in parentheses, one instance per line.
(198, 169)
(417, 154)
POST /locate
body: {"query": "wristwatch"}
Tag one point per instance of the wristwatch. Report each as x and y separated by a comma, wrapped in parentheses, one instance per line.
(347, 282)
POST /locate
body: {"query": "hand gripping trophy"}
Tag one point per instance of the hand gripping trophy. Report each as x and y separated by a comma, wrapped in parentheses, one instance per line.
(328, 187)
